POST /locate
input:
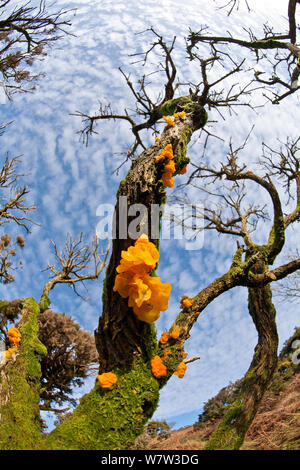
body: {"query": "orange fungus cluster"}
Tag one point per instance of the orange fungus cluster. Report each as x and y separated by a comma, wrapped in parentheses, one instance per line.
(167, 157)
(188, 302)
(167, 154)
(180, 114)
(14, 335)
(9, 352)
(169, 168)
(170, 120)
(147, 295)
(175, 332)
(158, 368)
(107, 380)
(180, 371)
(164, 337)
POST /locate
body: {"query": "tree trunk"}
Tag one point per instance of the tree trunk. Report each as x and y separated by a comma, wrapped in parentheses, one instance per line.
(230, 434)
(106, 419)
(19, 386)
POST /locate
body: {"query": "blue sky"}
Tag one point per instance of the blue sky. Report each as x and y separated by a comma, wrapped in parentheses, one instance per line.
(69, 180)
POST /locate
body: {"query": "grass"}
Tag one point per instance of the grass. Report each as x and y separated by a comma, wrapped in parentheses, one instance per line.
(275, 427)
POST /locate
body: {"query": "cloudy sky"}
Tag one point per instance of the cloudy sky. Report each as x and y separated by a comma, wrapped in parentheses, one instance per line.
(69, 181)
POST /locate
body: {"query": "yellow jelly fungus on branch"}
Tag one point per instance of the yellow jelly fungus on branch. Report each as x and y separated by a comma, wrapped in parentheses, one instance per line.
(169, 168)
(175, 332)
(164, 338)
(180, 114)
(180, 371)
(139, 259)
(158, 368)
(9, 352)
(188, 302)
(147, 295)
(169, 120)
(107, 379)
(14, 335)
(167, 178)
(166, 154)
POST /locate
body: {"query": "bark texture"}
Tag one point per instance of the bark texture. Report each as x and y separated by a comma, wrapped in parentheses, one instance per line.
(230, 434)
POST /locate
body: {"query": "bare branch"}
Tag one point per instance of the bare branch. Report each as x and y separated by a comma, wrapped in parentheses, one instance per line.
(8, 250)
(24, 33)
(289, 290)
(192, 359)
(77, 262)
(232, 4)
(275, 274)
(281, 45)
(285, 165)
(13, 207)
(145, 107)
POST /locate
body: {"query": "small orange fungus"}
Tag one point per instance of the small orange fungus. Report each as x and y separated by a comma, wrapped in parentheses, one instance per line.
(169, 169)
(180, 114)
(169, 120)
(107, 379)
(188, 302)
(158, 368)
(164, 338)
(166, 154)
(9, 352)
(175, 332)
(180, 371)
(14, 335)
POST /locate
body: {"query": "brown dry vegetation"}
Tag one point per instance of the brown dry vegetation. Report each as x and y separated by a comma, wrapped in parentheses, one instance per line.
(276, 426)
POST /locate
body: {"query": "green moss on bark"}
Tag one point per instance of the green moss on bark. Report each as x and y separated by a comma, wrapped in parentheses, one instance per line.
(44, 303)
(225, 437)
(20, 382)
(110, 419)
(184, 103)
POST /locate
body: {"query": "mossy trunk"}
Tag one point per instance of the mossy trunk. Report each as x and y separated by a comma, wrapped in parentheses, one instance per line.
(20, 423)
(105, 419)
(230, 434)
(114, 418)
(110, 419)
(120, 336)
